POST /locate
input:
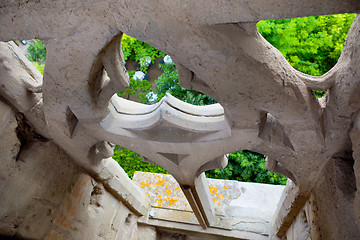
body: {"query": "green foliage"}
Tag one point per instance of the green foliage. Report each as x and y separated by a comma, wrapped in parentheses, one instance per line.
(246, 166)
(131, 162)
(136, 50)
(39, 67)
(168, 82)
(311, 45)
(36, 52)
(137, 88)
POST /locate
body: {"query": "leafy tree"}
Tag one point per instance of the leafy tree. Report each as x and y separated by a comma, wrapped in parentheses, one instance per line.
(246, 166)
(311, 45)
(138, 88)
(136, 50)
(36, 52)
(168, 82)
(131, 162)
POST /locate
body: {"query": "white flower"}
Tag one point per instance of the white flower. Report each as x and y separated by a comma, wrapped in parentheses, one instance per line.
(145, 61)
(152, 97)
(168, 60)
(139, 75)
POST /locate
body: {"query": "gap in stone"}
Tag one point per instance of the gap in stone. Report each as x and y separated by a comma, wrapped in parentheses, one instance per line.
(311, 45)
(35, 52)
(153, 74)
(131, 161)
(247, 166)
(143, 60)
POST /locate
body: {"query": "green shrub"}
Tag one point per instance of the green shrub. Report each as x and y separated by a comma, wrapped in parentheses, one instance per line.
(131, 162)
(39, 67)
(36, 52)
(311, 45)
(136, 50)
(246, 166)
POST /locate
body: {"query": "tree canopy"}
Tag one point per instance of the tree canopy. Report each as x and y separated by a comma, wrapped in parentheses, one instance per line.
(131, 162)
(36, 52)
(311, 45)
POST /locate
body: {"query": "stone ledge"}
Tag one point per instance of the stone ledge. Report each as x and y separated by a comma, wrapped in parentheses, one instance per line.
(289, 206)
(117, 182)
(245, 207)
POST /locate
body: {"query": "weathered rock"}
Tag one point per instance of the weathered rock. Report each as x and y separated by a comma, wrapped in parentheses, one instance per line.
(264, 105)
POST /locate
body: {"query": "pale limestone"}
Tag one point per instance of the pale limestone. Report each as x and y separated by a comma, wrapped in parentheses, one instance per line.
(264, 105)
(239, 206)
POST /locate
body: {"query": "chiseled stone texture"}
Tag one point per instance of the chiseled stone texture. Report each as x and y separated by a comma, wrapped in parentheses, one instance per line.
(45, 195)
(33, 185)
(266, 106)
(334, 197)
(306, 224)
(328, 213)
(9, 149)
(90, 212)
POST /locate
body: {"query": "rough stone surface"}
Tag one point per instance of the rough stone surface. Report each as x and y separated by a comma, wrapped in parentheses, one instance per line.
(21, 76)
(33, 186)
(334, 197)
(264, 104)
(9, 150)
(300, 228)
(120, 185)
(45, 195)
(289, 206)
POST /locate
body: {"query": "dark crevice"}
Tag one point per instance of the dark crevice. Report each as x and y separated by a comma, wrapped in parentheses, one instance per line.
(6, 237)
(72, 121)
(26, 134)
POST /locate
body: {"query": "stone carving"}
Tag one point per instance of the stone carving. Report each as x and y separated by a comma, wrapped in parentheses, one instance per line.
(267, 105)
(168, 127)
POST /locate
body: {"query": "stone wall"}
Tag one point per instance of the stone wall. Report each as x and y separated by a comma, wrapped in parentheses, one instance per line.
(45, 195)
(333, 201)
(328, 213)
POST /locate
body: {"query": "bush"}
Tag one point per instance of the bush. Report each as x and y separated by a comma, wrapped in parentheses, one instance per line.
(246, 166)
(311, 45)
(36, 52)
(39, 67)
(131, 162)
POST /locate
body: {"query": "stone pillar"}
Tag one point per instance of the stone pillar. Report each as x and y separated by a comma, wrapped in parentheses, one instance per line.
(334, 197)
(328, 213)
